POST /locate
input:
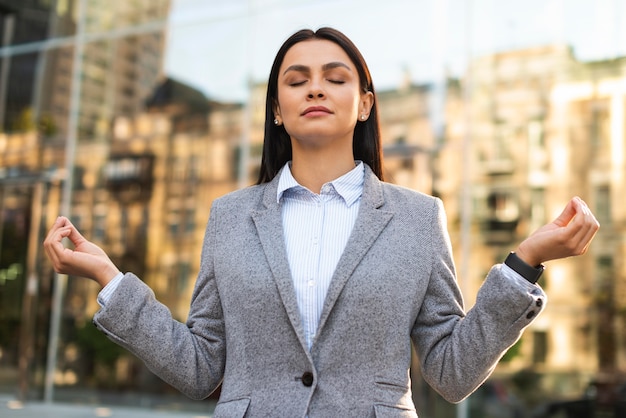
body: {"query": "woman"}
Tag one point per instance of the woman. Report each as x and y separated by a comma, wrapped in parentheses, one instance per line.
(314, 282)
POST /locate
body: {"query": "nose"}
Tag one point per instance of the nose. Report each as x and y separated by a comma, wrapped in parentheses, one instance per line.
(316, 91)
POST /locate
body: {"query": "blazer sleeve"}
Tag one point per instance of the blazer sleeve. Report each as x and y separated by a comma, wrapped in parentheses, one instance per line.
(458, 350)
(191, 356)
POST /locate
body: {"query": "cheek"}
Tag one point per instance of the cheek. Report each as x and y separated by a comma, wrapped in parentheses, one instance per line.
(284, 100)
(351, 105)
(285, 106)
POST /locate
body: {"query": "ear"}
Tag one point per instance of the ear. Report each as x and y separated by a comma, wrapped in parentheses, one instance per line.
(365, 105)
(276, 110)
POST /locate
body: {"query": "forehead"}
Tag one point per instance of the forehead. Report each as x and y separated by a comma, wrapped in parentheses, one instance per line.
(315, 53)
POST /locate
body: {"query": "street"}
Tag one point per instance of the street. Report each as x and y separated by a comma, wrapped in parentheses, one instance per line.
(11, 408)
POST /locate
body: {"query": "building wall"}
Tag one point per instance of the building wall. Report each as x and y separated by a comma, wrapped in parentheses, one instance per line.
(516, 137)
(119, 71)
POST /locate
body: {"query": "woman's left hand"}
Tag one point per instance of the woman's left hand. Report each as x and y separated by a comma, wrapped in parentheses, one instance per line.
(570, 234)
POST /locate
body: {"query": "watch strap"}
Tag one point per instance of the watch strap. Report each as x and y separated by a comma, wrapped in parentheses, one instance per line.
(528, 272)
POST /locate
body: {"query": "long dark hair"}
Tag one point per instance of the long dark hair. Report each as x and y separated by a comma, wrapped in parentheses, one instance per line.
(366, 144)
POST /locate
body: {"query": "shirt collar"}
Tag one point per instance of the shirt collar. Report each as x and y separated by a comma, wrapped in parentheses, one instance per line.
(349, 186)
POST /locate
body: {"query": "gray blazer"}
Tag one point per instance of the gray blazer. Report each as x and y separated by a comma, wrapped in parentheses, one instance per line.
(395, 283)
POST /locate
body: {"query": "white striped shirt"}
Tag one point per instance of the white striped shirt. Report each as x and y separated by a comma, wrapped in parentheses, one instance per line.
(316, 229)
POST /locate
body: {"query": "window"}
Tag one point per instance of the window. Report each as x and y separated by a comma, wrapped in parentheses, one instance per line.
(603, 205)
(540, 347)
(503, 210)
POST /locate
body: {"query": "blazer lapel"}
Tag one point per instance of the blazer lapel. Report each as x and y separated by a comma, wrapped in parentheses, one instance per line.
(369, 224)
(268, 222)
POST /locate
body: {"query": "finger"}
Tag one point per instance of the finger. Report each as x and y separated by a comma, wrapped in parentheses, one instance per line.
(52, 237)
(58, 223)
(72, 232)
(582, 240)
(53, 234)
(589, 238)
(583, 228)
(568, 213)
(61, 222)
(54, 245)
(593, 227)
(583, 217)
(583, 209)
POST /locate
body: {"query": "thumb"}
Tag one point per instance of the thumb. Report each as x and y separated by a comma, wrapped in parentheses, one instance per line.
(568, 213)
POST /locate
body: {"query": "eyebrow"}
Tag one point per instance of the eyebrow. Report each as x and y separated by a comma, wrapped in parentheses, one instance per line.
(325, 67)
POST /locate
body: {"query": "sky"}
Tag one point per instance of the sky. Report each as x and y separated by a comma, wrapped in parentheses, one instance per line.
(220, 46)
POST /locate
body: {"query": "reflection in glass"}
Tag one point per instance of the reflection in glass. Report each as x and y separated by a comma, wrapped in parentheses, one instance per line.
(169, 116)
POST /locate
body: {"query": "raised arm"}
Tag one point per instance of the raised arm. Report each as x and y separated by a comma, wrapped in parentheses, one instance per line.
(459, 352)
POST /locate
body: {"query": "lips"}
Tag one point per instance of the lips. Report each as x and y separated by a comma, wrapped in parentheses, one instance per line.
(316, 111)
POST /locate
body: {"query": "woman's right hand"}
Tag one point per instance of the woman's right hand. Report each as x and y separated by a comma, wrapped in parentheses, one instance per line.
(86, 259)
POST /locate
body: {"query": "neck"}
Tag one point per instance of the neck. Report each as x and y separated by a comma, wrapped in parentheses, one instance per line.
(313, 169)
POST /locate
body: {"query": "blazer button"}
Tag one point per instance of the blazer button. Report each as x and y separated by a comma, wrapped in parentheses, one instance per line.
(530, 314)
(307, 379)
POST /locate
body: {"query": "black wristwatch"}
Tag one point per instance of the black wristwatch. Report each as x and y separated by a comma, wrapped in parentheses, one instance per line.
(530, 273)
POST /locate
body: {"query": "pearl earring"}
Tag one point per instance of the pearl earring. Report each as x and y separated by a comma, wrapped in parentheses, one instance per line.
(363, 117)
(276, 122)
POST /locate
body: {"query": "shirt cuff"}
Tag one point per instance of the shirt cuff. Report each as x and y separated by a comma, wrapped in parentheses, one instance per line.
(107, 291)
(513, 276)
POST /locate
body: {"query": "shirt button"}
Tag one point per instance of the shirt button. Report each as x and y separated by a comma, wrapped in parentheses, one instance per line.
(311, 282)
(307, 379)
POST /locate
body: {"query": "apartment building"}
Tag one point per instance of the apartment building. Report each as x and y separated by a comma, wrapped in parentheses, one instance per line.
(504, 147)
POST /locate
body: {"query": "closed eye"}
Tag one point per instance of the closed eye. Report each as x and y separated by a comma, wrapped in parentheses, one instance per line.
(336, 81)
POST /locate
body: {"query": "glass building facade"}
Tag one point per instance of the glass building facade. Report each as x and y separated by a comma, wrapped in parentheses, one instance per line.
(131, 116)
